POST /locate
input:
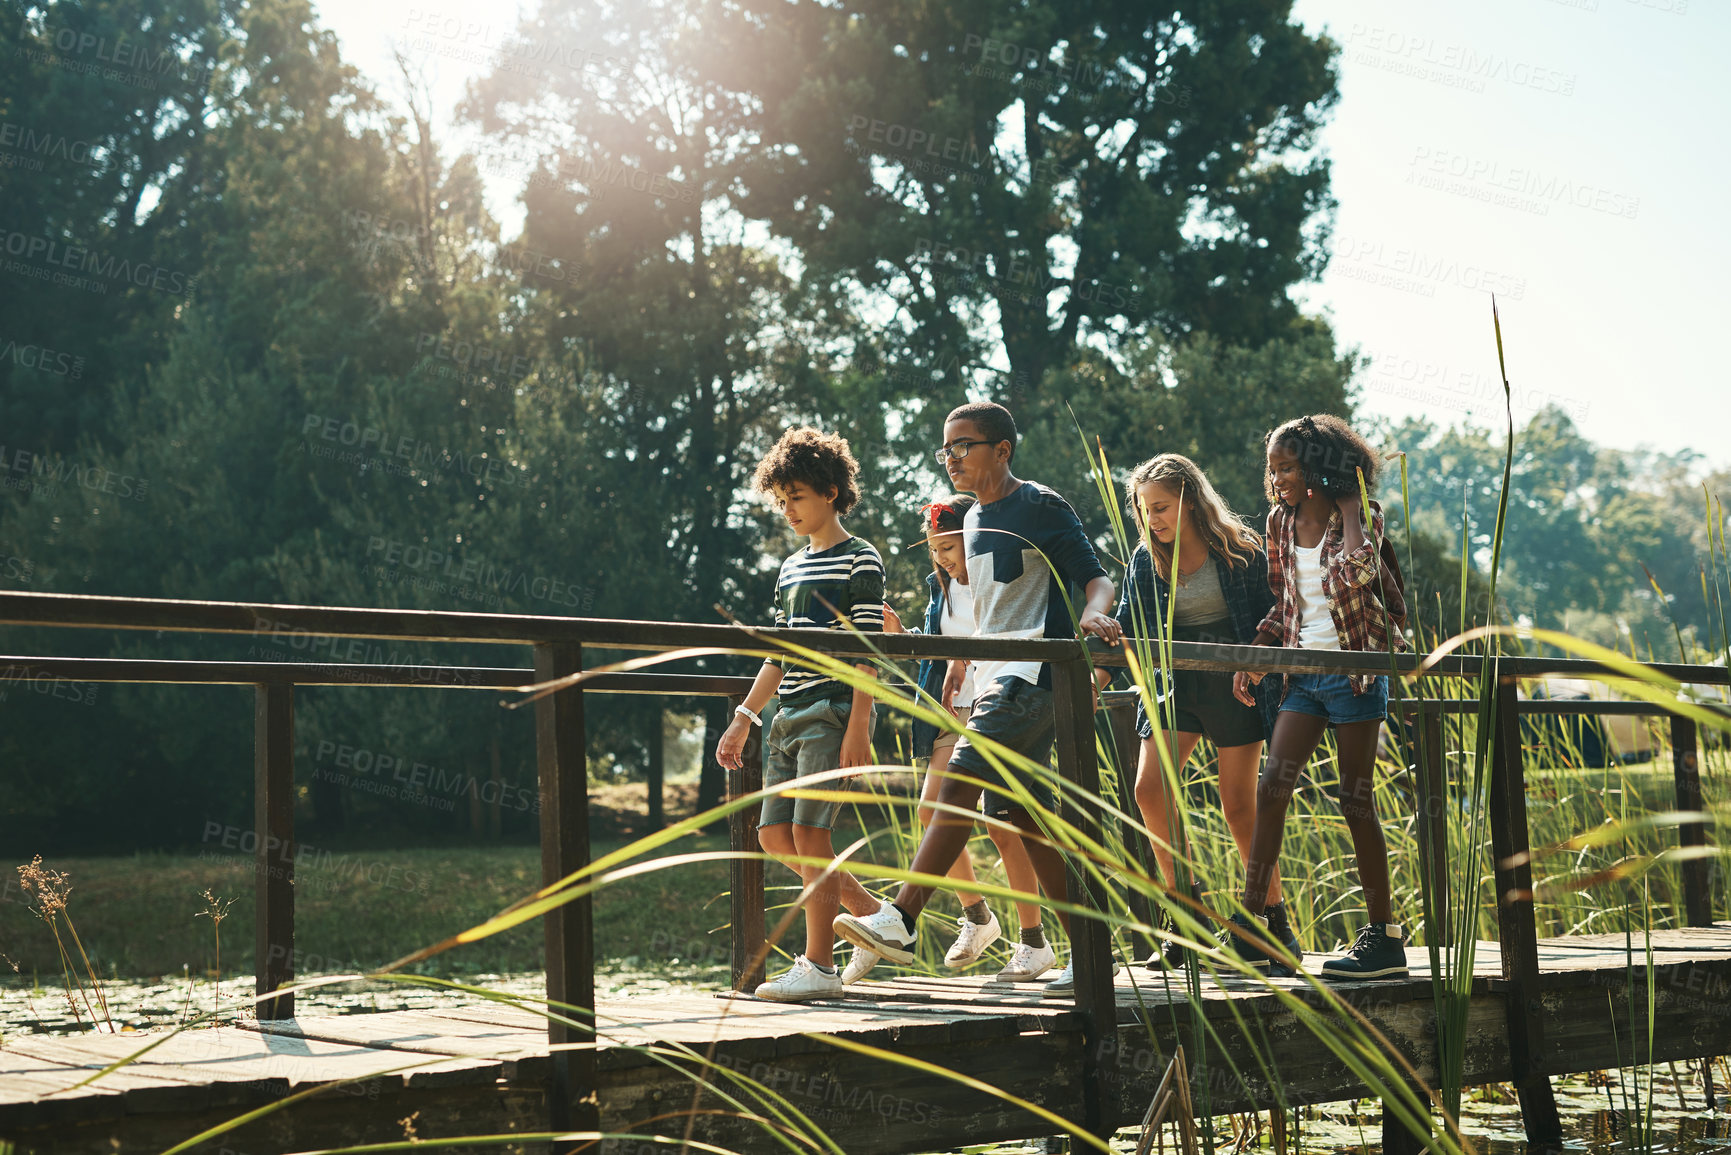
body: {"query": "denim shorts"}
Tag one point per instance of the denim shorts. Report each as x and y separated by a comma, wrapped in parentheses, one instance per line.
(804, 739)
(1330, 696)
(1016, 714)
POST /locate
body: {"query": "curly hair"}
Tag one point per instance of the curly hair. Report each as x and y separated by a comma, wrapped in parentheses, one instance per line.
(1222, 532)
(1329, 451)
(819, 460)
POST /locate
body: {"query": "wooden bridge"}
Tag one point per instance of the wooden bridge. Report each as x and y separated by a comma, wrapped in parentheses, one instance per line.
(1538, 1007)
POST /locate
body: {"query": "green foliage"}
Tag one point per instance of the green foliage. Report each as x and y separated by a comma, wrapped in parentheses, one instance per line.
(1031, 177)
(121, 156)
(364, 394)
(1587, 524)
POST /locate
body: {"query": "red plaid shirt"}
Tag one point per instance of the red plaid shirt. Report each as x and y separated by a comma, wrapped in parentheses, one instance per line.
(1349, 582)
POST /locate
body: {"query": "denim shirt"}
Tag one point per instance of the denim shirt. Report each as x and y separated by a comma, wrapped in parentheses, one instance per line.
(1249, 598)
(931, 672)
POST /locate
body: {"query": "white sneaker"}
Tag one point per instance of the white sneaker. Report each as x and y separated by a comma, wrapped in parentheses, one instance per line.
(1028, 963)
(800, 983)
(883, 933)
(1065, 983)
(858, 965)
(972, 940)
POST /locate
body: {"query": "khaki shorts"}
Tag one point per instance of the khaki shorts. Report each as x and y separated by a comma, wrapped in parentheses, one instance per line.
(946, 739)
(805, 738)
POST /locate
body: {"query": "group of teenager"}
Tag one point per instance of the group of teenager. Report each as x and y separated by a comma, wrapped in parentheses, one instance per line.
(1011, 559)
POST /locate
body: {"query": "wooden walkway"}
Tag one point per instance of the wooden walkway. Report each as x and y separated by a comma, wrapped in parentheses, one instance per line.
(483, 1069)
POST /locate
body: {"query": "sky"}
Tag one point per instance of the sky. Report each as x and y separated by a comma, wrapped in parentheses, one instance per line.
(1558, 153)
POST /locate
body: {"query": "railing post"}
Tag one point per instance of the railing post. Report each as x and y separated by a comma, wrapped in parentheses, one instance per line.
(1090, 944)
(745, 876)
(562, 768)
(1686, 768)
(273, 807)
(1127, 745)
(1433, 822)
(1517, 930)
(1396, 1139)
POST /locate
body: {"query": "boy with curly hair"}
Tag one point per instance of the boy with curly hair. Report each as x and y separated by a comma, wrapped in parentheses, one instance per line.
(821, 724)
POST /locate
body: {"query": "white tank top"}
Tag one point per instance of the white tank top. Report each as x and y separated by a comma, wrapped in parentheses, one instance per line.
(957, 621)
(1316, 630)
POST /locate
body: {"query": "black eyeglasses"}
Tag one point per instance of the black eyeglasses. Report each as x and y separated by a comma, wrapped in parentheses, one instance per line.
(959, 450)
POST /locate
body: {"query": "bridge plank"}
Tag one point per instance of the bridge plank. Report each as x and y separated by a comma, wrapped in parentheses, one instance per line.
(484, 1058)
(231, 1055)
(414, 1031)
(990, 1031)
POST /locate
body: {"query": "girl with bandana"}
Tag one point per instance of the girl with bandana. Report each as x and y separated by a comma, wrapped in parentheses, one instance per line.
(950, 611)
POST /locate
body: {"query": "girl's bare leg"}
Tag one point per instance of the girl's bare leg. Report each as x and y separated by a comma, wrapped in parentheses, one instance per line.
(1357, 744)
(1295, 739)
(1154, 800)
(1238, 767)
(963, 868)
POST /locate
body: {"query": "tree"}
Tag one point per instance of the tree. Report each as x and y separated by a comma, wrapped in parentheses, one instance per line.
(1016, 181)
(1607, 543)
(699, 346)
(226, 468)
(113, 104)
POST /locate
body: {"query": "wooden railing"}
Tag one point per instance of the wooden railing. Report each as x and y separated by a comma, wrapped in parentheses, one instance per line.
(558, 645)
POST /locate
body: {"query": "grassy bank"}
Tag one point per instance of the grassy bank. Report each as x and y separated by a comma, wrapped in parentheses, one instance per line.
(139, 916)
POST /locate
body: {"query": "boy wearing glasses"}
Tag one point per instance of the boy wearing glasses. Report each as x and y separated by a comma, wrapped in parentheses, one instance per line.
(1016, 528)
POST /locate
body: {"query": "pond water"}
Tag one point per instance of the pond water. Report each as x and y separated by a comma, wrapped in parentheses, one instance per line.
(1595, 1107)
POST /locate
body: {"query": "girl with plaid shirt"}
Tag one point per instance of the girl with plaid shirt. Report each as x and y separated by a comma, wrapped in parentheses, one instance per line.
(1332, 591)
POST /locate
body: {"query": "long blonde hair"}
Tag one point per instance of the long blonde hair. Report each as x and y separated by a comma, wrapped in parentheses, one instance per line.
(1225, 535)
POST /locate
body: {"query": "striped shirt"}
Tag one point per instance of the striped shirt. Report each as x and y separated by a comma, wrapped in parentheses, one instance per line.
(814, 588)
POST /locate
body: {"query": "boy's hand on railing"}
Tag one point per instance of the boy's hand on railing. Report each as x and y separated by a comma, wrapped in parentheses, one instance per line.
(893, 621)
(1103, 626)
(730, 751)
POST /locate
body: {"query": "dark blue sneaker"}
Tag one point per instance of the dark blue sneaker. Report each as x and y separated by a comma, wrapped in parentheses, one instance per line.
(1168, 955)
(1379, 953)
(1280, 930)
(1248, 938)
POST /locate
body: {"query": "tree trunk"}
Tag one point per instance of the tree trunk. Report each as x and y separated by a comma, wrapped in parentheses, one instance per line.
(493, 815)
(330, 810)
(657, 770)
(712, 785)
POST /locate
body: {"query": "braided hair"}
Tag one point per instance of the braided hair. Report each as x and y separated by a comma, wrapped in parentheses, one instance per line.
(1330, 453)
